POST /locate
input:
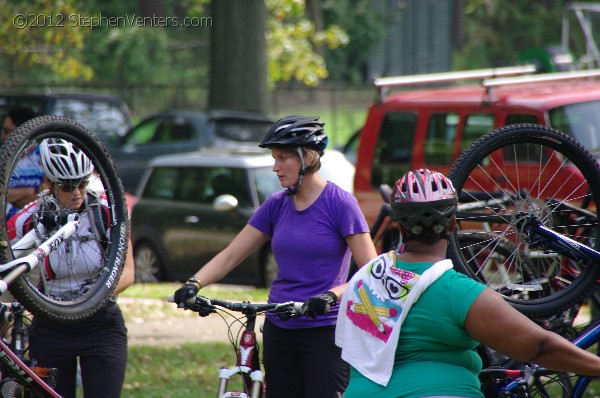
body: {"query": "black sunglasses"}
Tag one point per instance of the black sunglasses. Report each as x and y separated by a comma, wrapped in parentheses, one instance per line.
(71, 185)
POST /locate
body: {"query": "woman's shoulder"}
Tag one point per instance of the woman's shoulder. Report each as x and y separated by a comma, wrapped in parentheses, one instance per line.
(334, 191)
(277, 196)
(457, 281)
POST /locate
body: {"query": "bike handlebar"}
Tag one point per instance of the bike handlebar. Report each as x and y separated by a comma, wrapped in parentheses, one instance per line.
(205, 306)
(26, 263)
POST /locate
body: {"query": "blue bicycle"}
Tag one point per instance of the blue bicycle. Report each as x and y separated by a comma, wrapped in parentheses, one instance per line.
(532, 237)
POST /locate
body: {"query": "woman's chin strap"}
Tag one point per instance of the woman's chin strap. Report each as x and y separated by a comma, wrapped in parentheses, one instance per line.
(293, 190)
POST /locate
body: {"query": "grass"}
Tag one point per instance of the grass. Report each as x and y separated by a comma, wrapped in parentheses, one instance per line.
(226, 292)
(175, 372)
(185, 370)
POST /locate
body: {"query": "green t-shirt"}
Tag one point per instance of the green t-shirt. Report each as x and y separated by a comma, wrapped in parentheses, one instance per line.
(434, 355)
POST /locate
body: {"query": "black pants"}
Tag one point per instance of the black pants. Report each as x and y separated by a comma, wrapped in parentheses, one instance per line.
(303, 363)
(100, 343)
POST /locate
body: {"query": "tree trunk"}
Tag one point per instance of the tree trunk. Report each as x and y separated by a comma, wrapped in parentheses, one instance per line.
(238, 64)
(150, 8)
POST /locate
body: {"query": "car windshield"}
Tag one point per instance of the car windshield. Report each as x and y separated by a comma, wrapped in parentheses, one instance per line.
(580, 120)
(103, 117)
(266, 182)
(242, 130)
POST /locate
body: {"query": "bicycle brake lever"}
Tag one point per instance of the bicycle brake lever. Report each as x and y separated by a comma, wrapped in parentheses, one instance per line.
(203, 306)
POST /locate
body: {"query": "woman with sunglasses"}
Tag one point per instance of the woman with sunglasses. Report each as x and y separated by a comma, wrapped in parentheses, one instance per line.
(100, 342)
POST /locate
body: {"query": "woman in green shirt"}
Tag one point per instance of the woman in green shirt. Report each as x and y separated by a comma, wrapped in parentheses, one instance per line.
(408, 323)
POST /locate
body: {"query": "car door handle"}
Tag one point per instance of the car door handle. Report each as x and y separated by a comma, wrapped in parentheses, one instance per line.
(191, 220)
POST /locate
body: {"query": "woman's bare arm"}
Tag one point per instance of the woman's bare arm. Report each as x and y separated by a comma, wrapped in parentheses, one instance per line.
(494, 323)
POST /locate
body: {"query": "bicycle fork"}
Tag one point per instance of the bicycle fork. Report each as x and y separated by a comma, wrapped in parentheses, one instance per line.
(248, 366)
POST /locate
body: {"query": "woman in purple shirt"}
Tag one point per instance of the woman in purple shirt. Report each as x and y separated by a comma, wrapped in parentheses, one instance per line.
(315, 227)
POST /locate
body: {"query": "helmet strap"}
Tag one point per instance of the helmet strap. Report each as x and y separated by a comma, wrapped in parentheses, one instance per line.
(293, 190)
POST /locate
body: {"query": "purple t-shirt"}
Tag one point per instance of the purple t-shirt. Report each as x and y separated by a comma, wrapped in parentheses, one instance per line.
(309, 246)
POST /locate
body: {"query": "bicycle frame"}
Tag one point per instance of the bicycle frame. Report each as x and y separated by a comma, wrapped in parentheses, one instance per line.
(247, 358)
(11, 361)
(248, 362)
(544, 238)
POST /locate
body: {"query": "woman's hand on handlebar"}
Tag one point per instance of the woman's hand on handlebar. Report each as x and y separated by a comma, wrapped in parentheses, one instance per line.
(184, 293)
(319, 305)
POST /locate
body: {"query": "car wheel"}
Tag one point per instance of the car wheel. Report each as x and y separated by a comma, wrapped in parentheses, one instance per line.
(148, 267)
(270, 269)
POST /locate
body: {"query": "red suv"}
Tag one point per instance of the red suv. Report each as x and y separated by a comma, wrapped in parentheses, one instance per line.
(430, 127)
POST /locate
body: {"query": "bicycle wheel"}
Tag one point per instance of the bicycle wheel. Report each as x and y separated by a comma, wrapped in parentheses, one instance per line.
(507, 175)
(76, 289)
(487, 257)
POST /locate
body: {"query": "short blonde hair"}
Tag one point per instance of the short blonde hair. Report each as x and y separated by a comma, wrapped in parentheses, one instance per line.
(312, 157)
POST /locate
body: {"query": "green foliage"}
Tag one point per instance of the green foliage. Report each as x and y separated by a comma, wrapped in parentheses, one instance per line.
(132, 53)
(364, 27)
(291, 40)
(43, 34)
(497, 31)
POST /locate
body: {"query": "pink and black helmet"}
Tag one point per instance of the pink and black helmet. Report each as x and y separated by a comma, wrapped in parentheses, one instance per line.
(424, 199)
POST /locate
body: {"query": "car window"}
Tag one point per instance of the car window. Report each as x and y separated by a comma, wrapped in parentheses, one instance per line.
(230, 181)
(36, 103)
(441, 132)
(579, 120)
(242, 130)
(476, 125)
(393, 151)
(99, 116)
(143, 133)
(161, 184)
(266, 182)
(174, 129)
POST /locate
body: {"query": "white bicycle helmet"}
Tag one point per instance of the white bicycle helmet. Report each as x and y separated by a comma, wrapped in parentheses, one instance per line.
(61, 161)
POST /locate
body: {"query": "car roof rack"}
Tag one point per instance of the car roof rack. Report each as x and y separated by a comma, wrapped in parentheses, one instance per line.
(384, 83)
(490, 78)
(489, 84)
(542, 77)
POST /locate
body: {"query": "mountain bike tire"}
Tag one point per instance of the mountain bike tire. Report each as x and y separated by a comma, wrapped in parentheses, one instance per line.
(32, 289)
(533, 165)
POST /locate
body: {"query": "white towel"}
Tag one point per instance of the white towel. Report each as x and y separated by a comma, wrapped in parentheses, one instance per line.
(372, 310)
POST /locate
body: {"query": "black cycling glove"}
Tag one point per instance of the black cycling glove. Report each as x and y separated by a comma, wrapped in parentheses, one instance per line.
(319, 305)
(184, 293)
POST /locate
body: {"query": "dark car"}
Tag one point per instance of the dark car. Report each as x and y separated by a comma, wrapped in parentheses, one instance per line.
(190, 206)
(177, 131)
(107, 116)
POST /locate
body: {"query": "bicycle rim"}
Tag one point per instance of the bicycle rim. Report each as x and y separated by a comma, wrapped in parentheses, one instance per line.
(52, 291)
(537, 171)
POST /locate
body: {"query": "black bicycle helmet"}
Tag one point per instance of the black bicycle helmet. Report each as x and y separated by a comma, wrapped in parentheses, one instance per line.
(424, 199)
(296, 131)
